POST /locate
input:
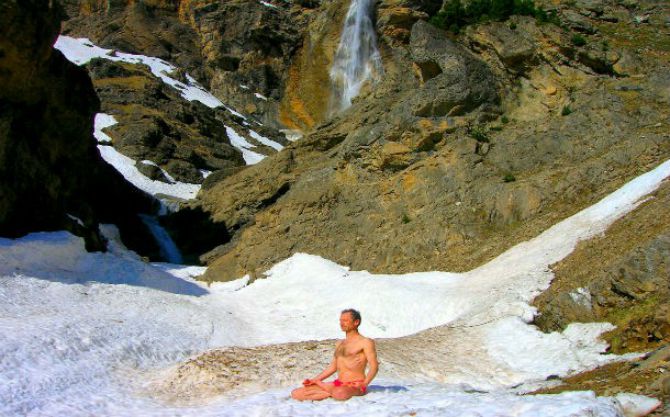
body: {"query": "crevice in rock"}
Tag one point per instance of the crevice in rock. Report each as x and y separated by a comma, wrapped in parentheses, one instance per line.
(195, 232)
(283, 189)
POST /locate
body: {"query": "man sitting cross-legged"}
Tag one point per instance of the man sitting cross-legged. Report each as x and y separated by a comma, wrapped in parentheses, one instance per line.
(352, 355)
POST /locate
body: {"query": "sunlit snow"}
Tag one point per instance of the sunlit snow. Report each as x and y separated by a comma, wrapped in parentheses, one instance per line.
(80, 331)
(238, 141)
(127, 167)
(101, 121)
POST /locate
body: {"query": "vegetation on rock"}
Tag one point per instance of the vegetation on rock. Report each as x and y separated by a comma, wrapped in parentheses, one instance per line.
(454, 15)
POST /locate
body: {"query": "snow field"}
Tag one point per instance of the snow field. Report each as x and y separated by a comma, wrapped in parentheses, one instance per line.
(79, 330)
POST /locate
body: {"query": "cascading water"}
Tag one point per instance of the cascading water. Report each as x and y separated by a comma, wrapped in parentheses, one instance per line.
(168, 248)
(357, 59)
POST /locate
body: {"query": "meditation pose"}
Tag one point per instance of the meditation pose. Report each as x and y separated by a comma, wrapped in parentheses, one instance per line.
(352, 355)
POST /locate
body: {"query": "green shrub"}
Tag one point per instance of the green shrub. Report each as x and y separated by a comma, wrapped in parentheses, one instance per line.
(479, 135)
(509, 178)
(405, 218)
(578, 40)
(454, 16)
(504, 120)
(566, 110)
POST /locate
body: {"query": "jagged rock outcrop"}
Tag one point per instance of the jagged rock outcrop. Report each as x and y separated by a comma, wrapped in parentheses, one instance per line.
(51, 174)
(148, 27)
(622, 277)
(454, 82)
(155, 123)
(247, 47)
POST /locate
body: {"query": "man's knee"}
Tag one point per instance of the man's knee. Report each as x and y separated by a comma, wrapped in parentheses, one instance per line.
(298, 394)
(341, 394)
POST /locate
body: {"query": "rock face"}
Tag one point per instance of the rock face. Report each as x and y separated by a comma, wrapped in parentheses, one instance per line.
(247, 47)
(488, 141)
(51, 173)
(456, 82)
(240, 50)
(645, 376)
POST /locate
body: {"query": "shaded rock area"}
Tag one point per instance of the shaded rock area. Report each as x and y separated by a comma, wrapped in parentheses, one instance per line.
(194, 232)
(51, 174)
(171, 139)
(622, 277)
(406, 180)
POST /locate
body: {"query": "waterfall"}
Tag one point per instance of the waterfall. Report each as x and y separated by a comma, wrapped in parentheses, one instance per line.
(357, 59)
(168, 248)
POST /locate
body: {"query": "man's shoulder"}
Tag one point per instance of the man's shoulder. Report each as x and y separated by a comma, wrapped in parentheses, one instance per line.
(367, 340)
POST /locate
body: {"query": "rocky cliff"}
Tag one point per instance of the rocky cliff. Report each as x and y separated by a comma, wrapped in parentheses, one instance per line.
(51, 174)
(469, 145)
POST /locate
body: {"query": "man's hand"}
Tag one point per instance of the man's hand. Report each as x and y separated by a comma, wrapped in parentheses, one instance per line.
(308, 382)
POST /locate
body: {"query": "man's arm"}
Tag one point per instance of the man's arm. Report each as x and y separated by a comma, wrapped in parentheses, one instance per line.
(331, 369)
(327, 372)
(370, 351)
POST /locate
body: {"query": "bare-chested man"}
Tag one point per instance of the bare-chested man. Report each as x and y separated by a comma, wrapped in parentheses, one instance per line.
(352, 355)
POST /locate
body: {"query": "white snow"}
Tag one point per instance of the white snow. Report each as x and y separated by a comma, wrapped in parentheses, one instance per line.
(238, 141)
(637, 405)
(79, 330)
(76, 219)
(292, 135)
(167, 175)
(260, 96)
(126, 166)
(82, 50)
(101, 121)
(266, 4)
(265, 141)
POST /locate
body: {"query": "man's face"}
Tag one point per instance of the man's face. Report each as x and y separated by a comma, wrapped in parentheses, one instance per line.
(347, 322)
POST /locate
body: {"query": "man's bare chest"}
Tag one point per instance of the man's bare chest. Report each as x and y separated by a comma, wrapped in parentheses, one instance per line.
(348, 350)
